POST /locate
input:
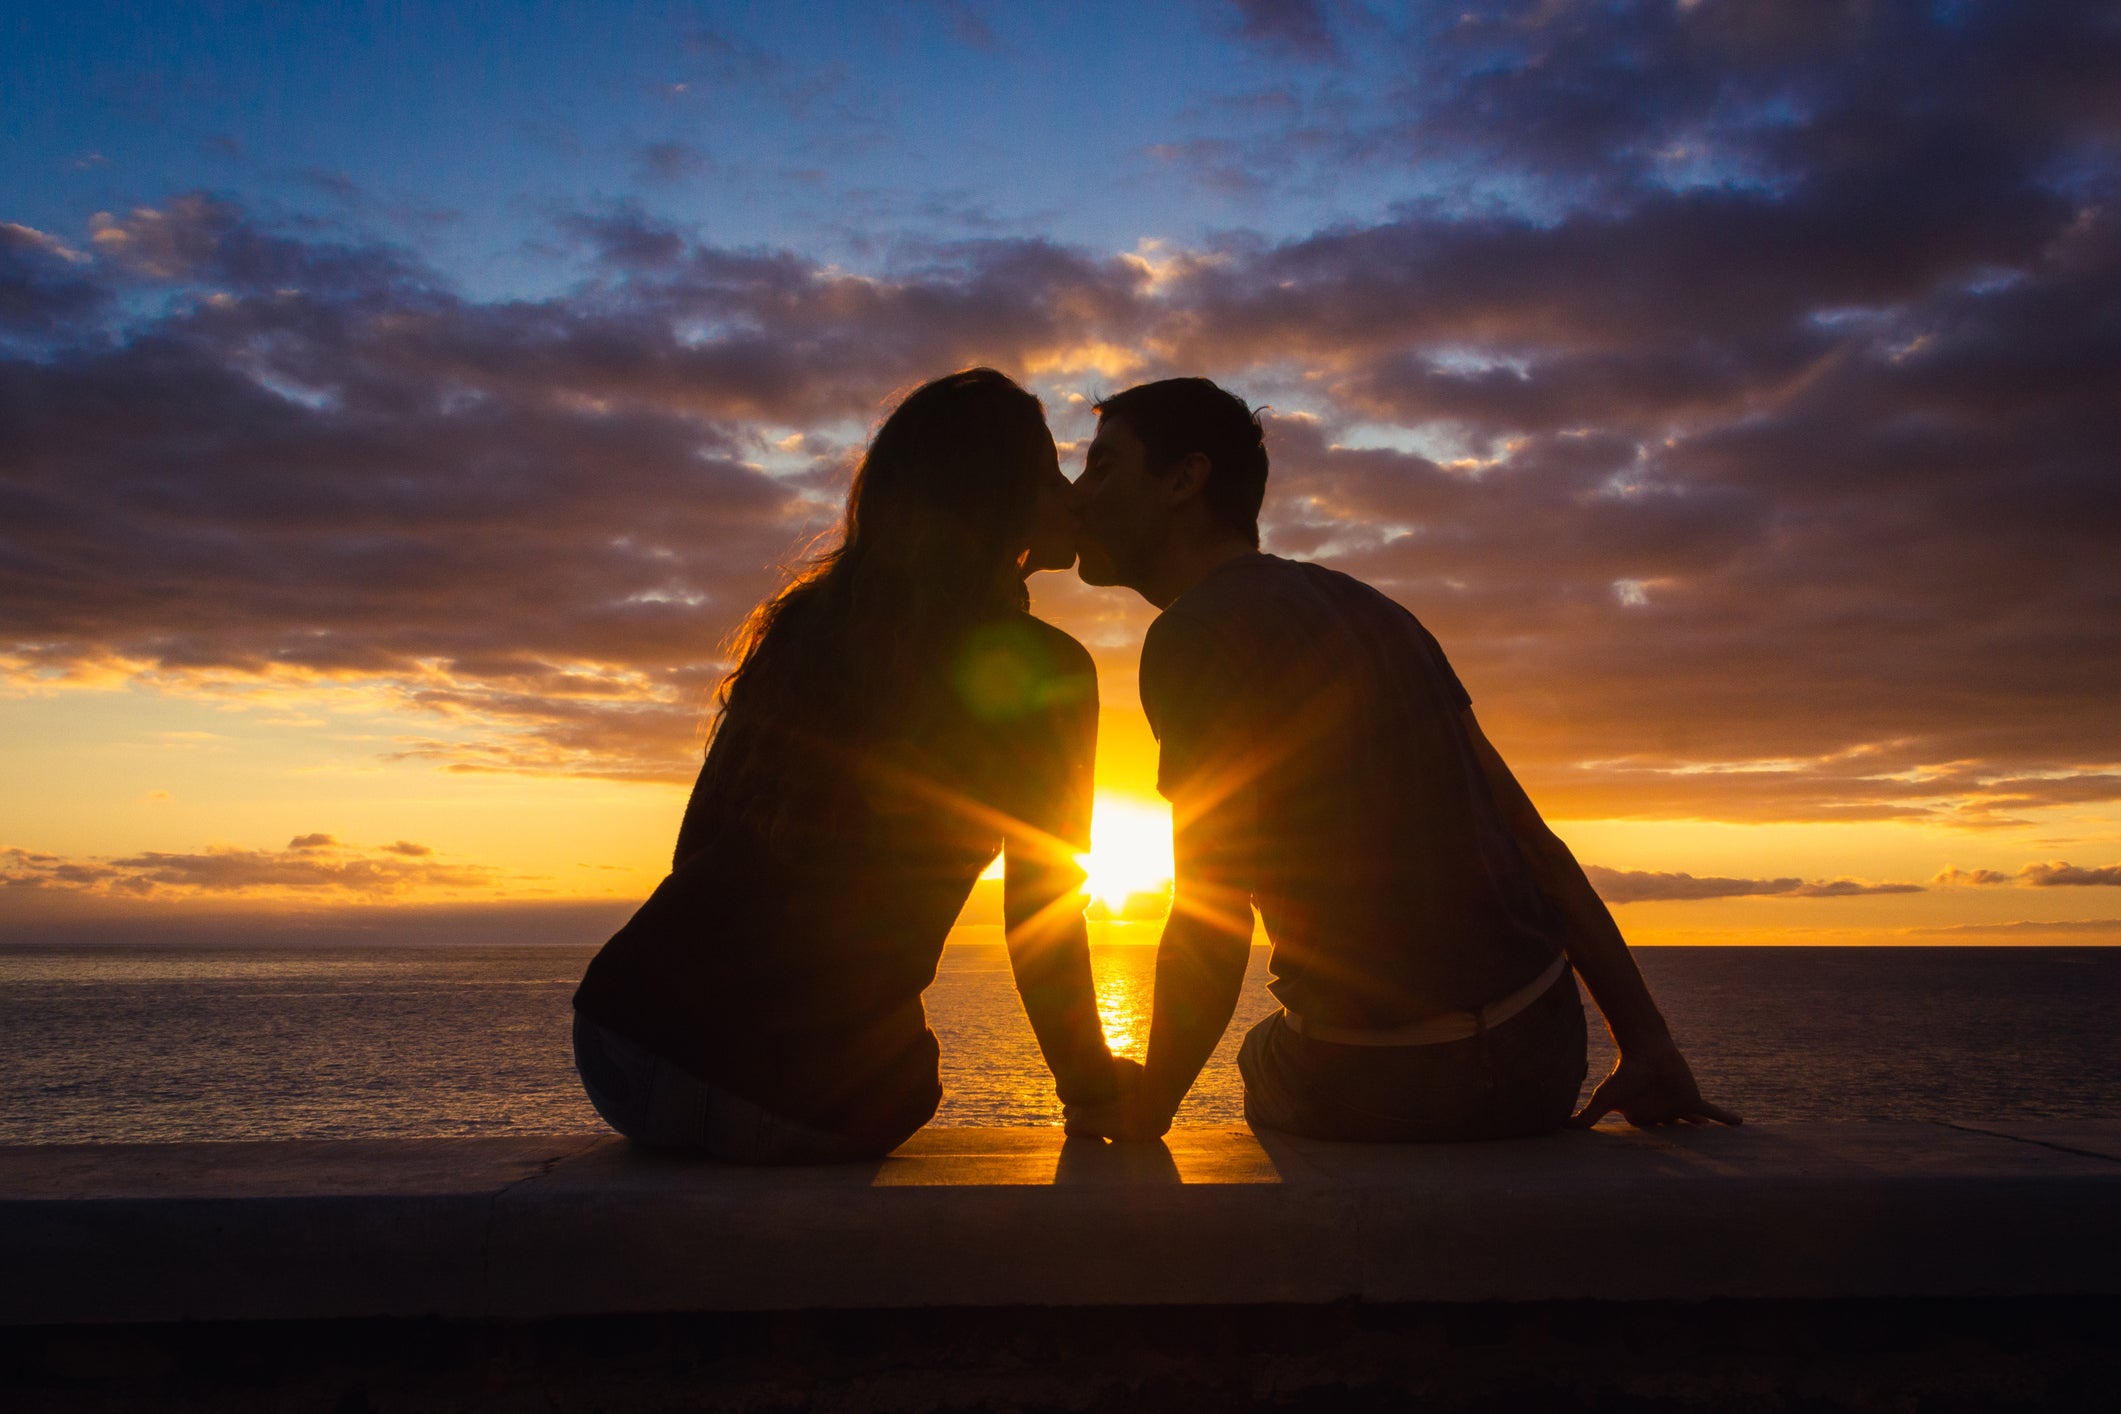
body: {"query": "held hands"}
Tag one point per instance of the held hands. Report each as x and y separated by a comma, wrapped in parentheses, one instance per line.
(1651, 1085)
(1131, 1115)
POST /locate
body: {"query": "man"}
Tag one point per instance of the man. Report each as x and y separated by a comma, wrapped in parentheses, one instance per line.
(1324, 765)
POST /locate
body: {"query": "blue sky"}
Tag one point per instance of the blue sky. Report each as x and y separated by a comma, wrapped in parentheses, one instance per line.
(832, 128)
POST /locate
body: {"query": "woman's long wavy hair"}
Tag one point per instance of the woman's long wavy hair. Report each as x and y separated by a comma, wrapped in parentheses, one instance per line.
(861, 639)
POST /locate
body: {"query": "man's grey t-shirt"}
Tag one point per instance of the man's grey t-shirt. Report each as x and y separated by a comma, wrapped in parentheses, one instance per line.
(1314, 730)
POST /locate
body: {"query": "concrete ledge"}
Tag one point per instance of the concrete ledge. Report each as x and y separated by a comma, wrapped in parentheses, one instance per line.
(573, 1226)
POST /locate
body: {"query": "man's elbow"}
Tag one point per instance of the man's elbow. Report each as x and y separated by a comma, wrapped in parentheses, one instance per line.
(1542, 848)
(1212, 911)
(1216, 935)
(1035, 915)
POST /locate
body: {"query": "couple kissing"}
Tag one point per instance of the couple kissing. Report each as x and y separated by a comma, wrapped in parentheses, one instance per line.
(896, 716)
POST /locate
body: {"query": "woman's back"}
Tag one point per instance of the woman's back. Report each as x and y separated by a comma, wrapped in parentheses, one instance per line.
(895, 716)
(825, 855)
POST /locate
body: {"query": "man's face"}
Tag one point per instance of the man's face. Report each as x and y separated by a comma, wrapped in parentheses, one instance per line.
(1124, 508)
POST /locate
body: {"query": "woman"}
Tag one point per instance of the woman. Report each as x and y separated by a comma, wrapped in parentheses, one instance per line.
(895, 716)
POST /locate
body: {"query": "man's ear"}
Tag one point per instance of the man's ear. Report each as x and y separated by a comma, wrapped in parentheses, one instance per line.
(1187, 478)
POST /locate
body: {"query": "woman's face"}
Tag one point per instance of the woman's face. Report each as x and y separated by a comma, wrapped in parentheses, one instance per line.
(1053, 520)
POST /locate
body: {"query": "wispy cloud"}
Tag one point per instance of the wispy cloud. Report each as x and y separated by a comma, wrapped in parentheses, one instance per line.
(1293, 28)
(2058, 874)
(668, 162)
(311, 865)
(2027, 930)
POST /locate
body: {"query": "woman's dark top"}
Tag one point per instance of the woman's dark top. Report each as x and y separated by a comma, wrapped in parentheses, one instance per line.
(784, 956)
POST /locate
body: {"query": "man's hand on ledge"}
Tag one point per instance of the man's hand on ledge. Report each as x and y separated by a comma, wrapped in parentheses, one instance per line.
(1651, 1086)
(1131, 1116)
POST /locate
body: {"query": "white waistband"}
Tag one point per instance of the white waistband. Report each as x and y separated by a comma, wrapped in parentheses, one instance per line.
(1451, 1026)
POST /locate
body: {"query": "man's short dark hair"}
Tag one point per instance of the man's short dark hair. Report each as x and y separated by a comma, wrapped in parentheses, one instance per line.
(1181, 415)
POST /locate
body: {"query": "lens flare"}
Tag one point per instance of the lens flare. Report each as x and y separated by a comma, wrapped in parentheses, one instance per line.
(1130, 851)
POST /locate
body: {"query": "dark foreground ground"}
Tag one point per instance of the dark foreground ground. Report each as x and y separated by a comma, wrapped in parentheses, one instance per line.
(1883, 1355)
(1887, 1267)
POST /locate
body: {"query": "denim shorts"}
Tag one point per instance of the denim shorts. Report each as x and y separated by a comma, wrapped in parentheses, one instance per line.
(661, 1105)
(1520, 1078)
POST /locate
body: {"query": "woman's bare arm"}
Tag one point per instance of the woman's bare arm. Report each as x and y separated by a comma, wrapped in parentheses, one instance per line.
(1042, 900)
(1049, 951)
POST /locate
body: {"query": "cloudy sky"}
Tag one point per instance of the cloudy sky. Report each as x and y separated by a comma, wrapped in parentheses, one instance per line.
(396, 410)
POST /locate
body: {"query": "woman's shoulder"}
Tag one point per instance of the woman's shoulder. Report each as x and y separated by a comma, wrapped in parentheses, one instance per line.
(1019, 666)
(1060, 647)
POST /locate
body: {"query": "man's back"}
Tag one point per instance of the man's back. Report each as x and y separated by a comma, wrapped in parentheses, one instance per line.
(1316, 729)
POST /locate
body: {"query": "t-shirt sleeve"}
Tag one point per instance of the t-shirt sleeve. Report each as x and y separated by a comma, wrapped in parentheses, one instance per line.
(1208, 762)
(1191, 698)
(1454, 691)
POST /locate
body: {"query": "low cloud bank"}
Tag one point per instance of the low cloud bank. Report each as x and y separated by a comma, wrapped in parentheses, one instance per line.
(1644, 886)
(313, 864)
(2059, 874)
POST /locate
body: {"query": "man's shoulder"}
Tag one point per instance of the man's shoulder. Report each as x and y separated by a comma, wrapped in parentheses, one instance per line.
(1247, 597)
(1185, 630)
(1339, 584)
(1252, 623)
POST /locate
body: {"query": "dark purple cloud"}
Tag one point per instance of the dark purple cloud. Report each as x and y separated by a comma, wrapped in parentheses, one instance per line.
(1295, 28)
(1549, 107)
(1794, 455)
(317, 460)
(43, 291)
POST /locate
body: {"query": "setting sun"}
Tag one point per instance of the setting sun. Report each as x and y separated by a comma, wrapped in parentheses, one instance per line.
(1130, 851)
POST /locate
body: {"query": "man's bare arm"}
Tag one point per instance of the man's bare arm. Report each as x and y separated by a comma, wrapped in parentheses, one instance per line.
(1200, 969)
(1652, 1084)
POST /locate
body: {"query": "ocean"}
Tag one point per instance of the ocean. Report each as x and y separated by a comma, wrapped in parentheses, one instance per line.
(110, 1044)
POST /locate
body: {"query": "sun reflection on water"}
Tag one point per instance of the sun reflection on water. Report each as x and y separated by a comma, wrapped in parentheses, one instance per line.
(1120, 1008)
(1125, 979)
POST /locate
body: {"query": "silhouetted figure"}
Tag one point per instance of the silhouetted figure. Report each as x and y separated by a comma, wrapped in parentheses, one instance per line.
(896, 716)
(1324, 765)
